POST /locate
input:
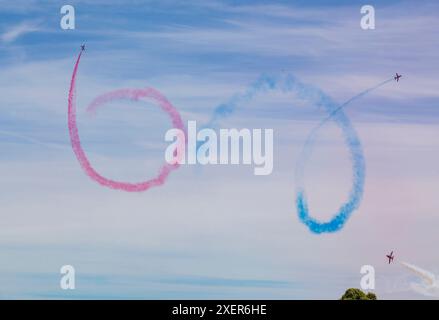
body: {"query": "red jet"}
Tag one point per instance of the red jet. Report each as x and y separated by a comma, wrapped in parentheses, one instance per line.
(390, 257)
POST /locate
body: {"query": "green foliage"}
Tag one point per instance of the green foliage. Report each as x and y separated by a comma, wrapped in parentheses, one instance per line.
(357, 294)
(371, 296)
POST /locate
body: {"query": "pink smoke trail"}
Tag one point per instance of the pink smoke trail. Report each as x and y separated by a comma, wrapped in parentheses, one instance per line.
(132, 94)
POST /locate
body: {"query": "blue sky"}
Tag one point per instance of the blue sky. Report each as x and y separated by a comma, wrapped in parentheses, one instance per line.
(215, 232)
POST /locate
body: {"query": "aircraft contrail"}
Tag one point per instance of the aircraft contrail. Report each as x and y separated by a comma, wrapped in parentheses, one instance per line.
(287, 83)
(429, 285)
(361, 94)
(357, 159)
(131, 94)
(315, 96)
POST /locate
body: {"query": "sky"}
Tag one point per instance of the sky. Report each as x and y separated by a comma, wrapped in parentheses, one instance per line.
(215, 231)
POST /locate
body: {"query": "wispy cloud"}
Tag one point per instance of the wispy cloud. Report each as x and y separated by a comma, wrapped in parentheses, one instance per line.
(20, 29)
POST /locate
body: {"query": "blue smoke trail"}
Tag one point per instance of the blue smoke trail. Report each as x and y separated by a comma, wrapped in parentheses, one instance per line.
(315, 96)
(358, 166)
(263, 84)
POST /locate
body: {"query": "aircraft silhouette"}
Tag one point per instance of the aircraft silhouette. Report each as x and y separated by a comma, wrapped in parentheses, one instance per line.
(390, 257)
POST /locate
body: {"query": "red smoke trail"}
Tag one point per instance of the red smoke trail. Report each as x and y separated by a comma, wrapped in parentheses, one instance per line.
(132, 94)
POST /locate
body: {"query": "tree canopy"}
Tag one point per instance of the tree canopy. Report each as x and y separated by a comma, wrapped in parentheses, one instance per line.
(357, 294)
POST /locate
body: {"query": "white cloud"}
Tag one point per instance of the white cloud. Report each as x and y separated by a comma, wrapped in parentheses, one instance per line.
(18, 30)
